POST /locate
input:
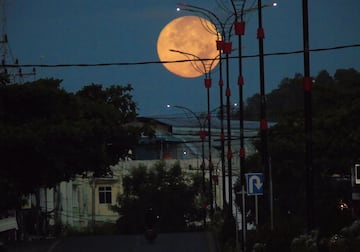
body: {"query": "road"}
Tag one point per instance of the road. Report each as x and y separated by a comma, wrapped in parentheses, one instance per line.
(176, 242)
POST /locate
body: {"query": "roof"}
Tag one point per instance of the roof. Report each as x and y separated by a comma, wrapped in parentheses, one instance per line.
(162, 138)
(192, 122)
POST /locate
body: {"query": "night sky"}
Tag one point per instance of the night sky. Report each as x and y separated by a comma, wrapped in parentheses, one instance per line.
(112, 31)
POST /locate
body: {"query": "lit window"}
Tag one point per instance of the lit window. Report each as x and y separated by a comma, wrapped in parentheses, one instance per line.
(105, 194)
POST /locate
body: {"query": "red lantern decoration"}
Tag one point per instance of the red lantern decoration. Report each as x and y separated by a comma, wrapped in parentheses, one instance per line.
(215, 179)
(242, 152)
(239, 28)
(307, 84)
(222, 137)
(221, 82)
(240, 80)
(228, 93)
(208, 82)
(263, 124)
(227, 48)
(202, 134)
(220, 45)
(260, 33)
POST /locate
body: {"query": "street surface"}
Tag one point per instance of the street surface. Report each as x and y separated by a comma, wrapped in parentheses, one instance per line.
(177, 242)
(172, 242)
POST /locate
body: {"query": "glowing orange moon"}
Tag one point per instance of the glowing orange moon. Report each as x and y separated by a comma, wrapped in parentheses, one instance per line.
(189, 34)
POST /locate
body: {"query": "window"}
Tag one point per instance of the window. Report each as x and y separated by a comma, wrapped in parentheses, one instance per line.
(357, 174)
(105, 194)
(75, 197)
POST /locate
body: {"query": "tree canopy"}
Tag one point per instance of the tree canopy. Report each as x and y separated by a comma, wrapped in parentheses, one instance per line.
(336, 137)
(48, 135)
(335, 147)
(173, 195)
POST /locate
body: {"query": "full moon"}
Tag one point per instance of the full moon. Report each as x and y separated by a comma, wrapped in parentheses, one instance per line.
(194, 36)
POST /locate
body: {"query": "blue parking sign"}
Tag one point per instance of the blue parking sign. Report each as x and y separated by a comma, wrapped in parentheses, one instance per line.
(254, 183)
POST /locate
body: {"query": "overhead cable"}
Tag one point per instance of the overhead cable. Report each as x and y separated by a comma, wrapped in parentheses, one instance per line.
(174, 61)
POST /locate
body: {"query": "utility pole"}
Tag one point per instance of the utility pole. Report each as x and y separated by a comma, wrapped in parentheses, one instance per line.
(307, 86)
(263, 120)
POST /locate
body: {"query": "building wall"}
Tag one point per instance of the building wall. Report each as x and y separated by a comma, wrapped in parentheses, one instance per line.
(103, 212)
(77, 203)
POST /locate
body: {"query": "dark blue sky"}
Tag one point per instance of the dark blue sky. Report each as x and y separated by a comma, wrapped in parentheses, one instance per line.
(91, 32)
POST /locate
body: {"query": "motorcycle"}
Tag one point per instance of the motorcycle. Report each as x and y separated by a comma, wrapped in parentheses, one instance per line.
(150, 234)
(151, 220)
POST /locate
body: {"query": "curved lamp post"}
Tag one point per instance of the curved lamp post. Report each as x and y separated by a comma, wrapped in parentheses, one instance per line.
(239, 25)
(263, 120)
(239, 12)
(202, 135)
(205, 68)
(224, 46)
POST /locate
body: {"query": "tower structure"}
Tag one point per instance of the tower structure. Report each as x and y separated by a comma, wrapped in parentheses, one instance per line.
(10, 71)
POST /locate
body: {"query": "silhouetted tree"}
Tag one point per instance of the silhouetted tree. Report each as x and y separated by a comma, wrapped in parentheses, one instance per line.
(48, 135)
(336, 145)
(173, 196)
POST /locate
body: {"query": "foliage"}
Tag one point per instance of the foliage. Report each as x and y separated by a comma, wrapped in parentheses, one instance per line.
(172, 194)
(48, 135)
(335, 147)
(305, 243)
(285, 99)
(334, 115)
(346, 239)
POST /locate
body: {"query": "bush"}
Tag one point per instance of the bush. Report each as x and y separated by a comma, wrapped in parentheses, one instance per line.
(305, 243)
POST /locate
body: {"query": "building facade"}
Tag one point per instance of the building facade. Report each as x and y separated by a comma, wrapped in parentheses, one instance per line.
(86, 202)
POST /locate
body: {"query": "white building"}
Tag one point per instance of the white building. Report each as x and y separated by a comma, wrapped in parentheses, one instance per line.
(85, 202)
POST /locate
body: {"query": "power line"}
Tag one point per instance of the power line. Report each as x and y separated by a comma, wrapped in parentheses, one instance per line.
(175, 61)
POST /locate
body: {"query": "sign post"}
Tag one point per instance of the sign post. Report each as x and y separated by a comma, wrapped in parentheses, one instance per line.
(254, 182)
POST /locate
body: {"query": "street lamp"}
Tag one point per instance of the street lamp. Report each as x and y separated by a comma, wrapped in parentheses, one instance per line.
(237, 10)
(224, 45)
(202, 134)
(239, 29)
(205, 68)
(263, 119)
(239, 25)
